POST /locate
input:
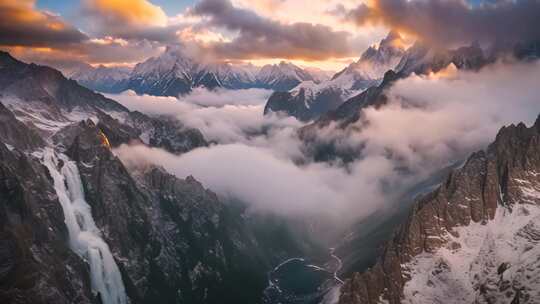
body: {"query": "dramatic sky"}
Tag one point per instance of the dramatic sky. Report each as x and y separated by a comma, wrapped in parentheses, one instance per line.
(323, 33)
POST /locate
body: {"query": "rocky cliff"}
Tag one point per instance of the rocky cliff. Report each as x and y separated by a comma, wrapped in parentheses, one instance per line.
(473, 240)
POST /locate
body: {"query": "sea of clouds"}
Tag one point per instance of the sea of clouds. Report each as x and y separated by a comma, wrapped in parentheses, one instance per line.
(430, 122)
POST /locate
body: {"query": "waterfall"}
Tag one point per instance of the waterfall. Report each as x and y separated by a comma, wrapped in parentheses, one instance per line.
(84, 236)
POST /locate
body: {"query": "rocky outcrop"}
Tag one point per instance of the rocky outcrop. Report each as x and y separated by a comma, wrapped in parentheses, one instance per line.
(160, 131)
(15, 133)
(164, 132)
(294, 104)
(490, 183)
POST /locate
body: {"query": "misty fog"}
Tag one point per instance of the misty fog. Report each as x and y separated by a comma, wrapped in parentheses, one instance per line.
(430, 122)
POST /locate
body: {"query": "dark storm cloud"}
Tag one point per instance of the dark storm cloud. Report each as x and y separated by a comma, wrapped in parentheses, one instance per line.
(22, 25)
(262, 37)
(446, 22)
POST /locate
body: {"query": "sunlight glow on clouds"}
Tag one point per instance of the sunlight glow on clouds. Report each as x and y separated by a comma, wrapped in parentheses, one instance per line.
(325, 34)
(21, 24)
(140, 12)
(263, 31)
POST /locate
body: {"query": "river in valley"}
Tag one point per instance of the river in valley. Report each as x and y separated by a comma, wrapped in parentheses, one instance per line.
(301, 281)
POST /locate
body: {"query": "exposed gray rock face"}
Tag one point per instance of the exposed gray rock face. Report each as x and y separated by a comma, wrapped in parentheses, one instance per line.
(295, 104)
(17, 134)
(502, 182)
(163, 132)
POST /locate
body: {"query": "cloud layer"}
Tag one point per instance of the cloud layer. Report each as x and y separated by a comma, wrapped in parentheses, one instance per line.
(130, 19)
(120, 12)
(21, 24)
(430, 123)
(262, 37)
(224, 116)
(262, 31)
(447, 22)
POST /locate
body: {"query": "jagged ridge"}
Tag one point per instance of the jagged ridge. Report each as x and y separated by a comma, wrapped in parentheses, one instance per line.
(489, 183)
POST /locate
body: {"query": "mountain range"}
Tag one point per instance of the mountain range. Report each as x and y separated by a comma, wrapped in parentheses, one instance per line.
(175, 73)
(100, 78)
(309, 99)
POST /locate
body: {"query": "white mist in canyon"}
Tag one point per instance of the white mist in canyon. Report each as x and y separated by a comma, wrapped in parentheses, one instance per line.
(430, 122)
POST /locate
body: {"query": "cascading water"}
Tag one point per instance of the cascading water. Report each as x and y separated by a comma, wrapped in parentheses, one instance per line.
(84, 236)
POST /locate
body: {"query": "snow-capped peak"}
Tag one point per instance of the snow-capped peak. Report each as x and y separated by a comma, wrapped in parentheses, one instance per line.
(375, 61)
(284, 72)
(173, 59)
(175, 72)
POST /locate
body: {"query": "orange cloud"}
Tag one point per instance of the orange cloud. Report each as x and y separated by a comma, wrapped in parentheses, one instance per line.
(22, 24)
(132, 12)
(41, 36)
(261, 37)
(96, 51)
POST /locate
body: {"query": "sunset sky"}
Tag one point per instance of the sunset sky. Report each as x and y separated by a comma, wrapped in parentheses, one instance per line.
(328, 34)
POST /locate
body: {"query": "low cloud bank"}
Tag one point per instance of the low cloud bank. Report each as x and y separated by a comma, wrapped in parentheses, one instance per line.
(429, 123)
(222, 97)
(433, 118)
(224, 116)
(267, 182)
